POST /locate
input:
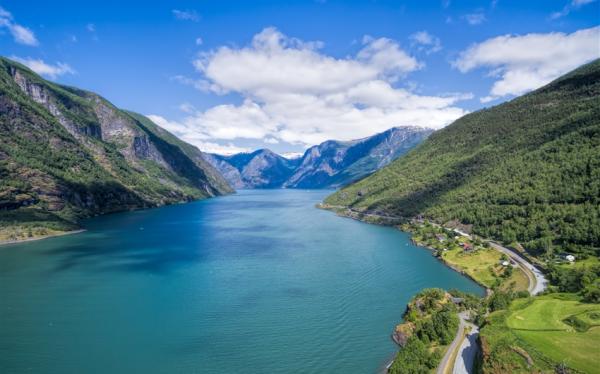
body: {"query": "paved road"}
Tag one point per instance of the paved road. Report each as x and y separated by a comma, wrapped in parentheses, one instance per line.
(465, 348)
(537, 281)
(465, 359)
(462, 317)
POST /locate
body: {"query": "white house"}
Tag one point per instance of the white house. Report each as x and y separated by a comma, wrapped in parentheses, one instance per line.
(570, 258)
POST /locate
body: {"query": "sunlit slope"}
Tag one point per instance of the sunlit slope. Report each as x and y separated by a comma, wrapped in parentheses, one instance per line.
(526, 170)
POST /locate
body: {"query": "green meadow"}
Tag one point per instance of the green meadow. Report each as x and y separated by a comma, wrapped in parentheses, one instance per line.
(551, 329)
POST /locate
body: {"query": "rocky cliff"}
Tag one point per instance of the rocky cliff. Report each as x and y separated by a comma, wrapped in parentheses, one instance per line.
(327, 165)
(66, 154)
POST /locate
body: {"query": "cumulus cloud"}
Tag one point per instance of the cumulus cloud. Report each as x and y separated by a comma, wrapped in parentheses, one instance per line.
(20, 34)
(292, 155)
(569, 7)
(294, 93)
(426, 42)
(186, 15)
(523, 63)
(45, 69)
(183, 131)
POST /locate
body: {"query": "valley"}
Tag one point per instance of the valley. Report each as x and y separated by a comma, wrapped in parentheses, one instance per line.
(309, 187)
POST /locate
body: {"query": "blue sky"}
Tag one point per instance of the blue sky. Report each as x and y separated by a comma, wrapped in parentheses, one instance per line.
(239, 75)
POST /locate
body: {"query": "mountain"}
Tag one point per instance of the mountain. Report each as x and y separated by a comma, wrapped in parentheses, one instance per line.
(527, 170)
(259, 169)
(66, 154)
(334, 163)
(329, 164)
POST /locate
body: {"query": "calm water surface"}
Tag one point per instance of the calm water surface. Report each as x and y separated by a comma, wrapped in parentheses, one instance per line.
(257, 282)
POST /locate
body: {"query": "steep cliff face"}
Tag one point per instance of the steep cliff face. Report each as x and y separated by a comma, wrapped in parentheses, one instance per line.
(66, 153)
(259, 169)
(334, 163)
(329, 164)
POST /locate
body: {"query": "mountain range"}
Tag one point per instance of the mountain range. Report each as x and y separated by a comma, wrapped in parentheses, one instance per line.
(328, 165)
(67, 154)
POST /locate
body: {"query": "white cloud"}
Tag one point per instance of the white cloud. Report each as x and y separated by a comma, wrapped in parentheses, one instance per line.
(45, 69)
(199, 41)
(184, 132)
(199, 84)
(424, 41)
(475, 18)
(90, 27)
(569, 7)
(220, 149)
(186, 15)
(523, 63)
(387, 57)
(292, 155)
(294, 93)
(20, 34)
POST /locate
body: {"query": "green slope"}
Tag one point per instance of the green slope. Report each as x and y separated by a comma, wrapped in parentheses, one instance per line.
(66, 154)
(526, 170)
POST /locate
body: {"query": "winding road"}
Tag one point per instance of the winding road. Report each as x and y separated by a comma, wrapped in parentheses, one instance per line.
(464, 348)
(537, 281)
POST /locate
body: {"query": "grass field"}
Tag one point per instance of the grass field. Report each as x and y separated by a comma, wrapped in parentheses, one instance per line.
(518, 280)
(541, 323)
(484, 266)
(590, 261)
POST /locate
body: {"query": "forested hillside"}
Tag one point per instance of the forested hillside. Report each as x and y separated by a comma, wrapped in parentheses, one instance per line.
(527, 170)
(66, 154)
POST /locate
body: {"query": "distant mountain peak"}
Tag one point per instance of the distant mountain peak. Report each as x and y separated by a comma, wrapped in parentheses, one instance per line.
(329, 164)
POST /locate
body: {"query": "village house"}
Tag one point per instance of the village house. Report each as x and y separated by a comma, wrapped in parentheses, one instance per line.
(467, 247)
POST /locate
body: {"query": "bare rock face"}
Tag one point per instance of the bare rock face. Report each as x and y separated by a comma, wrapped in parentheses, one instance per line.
(69, 153)
(402, 333)
(259, 169)
(230, 173)
(39, 94)
(329, 164)
(120, 129)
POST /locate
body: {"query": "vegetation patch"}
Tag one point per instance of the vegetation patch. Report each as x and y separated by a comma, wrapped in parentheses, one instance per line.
(431, 323)
(526, 170)
(555, 330)
(473, 257)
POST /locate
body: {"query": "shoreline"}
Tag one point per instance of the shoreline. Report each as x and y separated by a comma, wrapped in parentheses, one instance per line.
(392, 222)
(10, 242)
(360, 217)
(537, 282)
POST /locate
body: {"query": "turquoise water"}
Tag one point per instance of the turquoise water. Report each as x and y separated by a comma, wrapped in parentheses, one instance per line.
(257, 282)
